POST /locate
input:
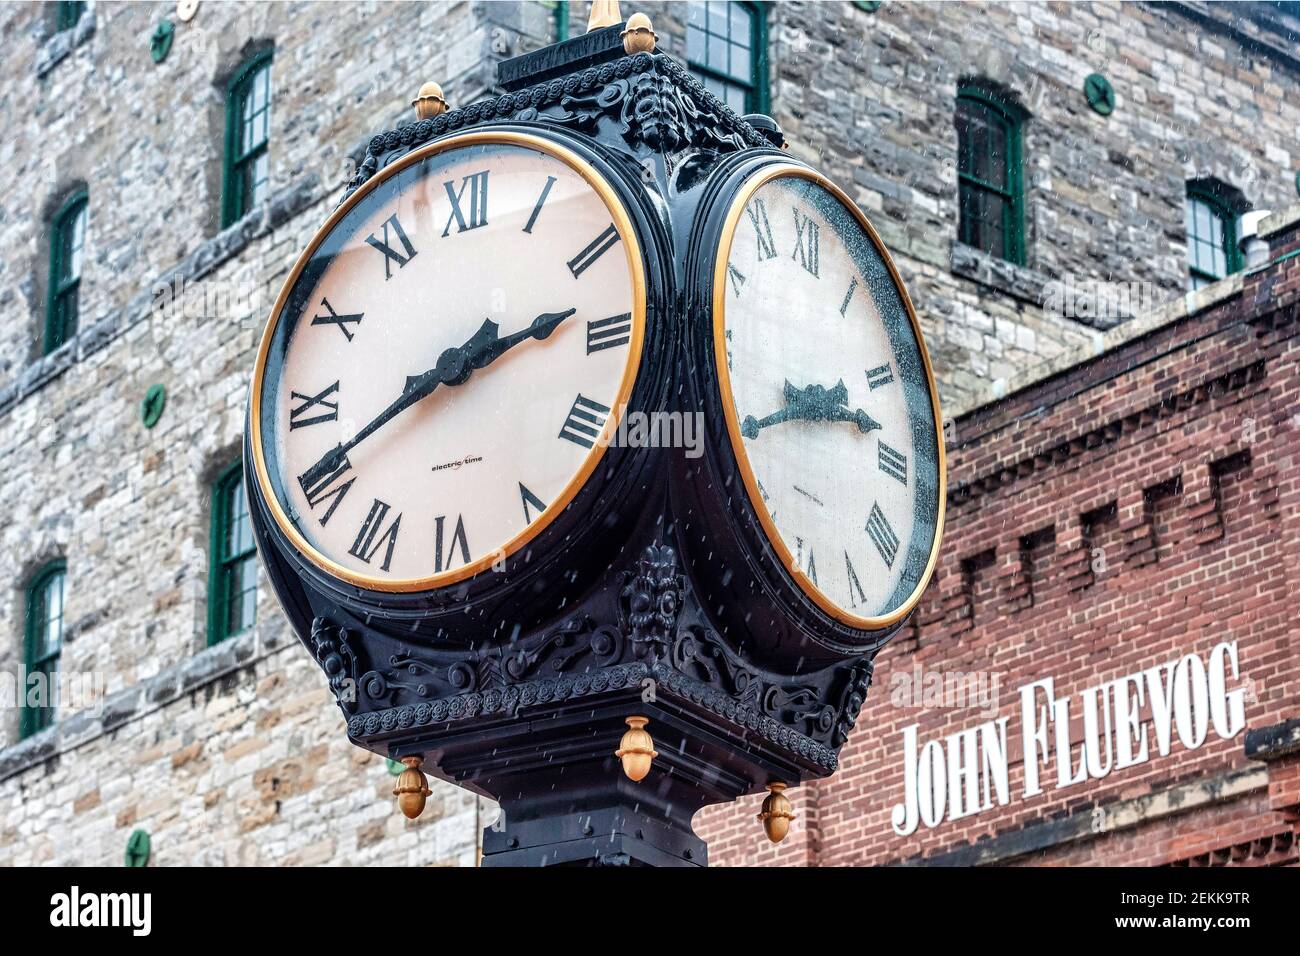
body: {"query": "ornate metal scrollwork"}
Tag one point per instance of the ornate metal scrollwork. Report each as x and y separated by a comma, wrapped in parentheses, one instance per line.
(562, 648)
(851, 701)
(329, 644)
(651, 599)
(647, 101)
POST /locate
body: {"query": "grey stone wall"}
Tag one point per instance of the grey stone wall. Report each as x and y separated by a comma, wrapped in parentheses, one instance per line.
(233, 754)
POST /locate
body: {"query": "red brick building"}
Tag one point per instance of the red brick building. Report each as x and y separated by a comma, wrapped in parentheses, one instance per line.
(1113, 518)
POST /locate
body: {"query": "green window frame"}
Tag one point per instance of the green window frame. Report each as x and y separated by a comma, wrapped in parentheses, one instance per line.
(63, 296)
(70, 13)
(42, 642)
(1212, 251)
(246, 175)
(726, 50)
(990, 177)
(232, 574)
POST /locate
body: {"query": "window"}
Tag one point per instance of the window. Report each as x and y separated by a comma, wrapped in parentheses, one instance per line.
(726, 47)
(67, 239)
(990, 199)
(232, 584)
(42, 642)
(248, 125)
(1212, 251)
(69, 13)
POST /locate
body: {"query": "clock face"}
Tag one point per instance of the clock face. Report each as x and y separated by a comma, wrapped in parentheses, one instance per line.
(828, 396)
(448, 361)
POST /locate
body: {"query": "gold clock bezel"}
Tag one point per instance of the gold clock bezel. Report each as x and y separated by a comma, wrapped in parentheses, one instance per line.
(820, 598)
(632, 248)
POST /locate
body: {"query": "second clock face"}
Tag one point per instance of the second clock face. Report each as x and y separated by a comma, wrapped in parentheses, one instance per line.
(438, 380)
(829, 399)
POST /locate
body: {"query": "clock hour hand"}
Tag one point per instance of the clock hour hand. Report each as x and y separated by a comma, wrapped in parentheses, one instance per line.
(814, 403)
(454, 367)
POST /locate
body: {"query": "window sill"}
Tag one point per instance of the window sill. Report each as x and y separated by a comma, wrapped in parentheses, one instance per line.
(58, 46)
(1018, 282)
(169, 685)
(204, 260)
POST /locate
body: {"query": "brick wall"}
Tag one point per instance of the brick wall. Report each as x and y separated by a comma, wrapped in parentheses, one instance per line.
(1132, 509)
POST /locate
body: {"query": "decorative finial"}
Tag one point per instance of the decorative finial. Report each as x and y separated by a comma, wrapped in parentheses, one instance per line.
(638, 36)
(604, 13)
(429, 102)
(412, 788)
(776, 813)
(636, 749)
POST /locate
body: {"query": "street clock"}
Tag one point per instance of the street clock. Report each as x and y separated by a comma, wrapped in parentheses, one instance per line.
(445, 365)
(592, 430)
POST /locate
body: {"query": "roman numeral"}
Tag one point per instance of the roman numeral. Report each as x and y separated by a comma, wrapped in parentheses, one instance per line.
(583, 260)
(609, 333)
(541, 201)
(757, 211)
(892, 463)
(477, 184)
(806, 242)
(882, 375)
(848, 296)
(298, 416)
(319, 484)
(529, 498)
(391, 255)
(372, 535)
(457, 538)
(737, 279)
(342, 321)
(882, 535)
(811, 569)
(854, 583)
(585, 421)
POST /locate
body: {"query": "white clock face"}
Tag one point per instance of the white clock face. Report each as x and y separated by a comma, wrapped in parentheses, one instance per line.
(829, 399)
(442, 374)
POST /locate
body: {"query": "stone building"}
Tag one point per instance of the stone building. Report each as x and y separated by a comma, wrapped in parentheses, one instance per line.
(1048, 176)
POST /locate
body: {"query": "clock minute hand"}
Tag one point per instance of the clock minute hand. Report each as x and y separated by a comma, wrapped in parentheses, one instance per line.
(454, 367)
(486, 346)
(814, 403)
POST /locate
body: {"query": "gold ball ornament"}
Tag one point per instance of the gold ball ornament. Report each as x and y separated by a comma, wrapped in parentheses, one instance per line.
(636, 749)
(412, 788)
(777, 813)
(638, 36)
(429, 102)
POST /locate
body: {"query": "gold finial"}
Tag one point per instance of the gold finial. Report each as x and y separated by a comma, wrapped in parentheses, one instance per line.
(412, 787)
(777, 813)
(604, 13)
(636, 749)
(429, 102)
(638, 36)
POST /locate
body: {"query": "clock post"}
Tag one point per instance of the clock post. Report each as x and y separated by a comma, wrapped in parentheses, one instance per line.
(637, 632)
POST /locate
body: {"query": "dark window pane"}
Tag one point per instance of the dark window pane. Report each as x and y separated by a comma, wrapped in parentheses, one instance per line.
(44, 623)
(1207, 252)
(719, 41)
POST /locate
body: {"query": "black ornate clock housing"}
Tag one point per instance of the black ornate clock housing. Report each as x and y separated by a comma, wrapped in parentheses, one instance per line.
(654, 593)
